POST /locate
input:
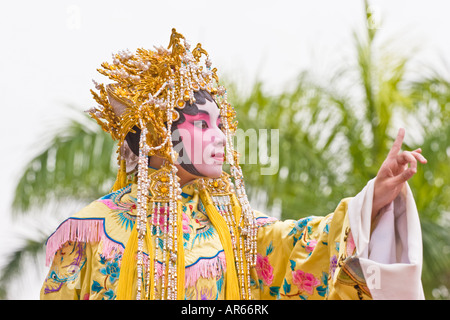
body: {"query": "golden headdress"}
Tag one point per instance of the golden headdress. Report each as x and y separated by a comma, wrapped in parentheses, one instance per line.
(148, 89)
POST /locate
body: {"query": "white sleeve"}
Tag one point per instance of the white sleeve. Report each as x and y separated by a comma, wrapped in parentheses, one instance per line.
(391, 254)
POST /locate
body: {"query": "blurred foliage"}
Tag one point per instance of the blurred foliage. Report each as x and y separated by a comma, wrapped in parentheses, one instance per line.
(79, 162)
(333, 136)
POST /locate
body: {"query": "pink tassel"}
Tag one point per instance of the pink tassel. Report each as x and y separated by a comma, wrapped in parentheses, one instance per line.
(205, 268)
(81, 230)
(92, 230)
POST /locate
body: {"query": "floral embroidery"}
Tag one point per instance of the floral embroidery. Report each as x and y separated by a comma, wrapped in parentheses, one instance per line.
(111, 271)
(186, 221)
(326, 229)
(350, 244)
(264, 270)
(66, 274)
(333, 265)
(323, 290)
(305, 282)
(300, 225)
(298, 229)
(310, 245)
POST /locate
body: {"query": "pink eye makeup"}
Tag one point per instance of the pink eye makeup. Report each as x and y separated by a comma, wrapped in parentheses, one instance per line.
(202, 120)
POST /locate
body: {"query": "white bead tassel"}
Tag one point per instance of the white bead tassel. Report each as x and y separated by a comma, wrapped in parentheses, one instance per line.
(247, 217)
(170, 239)
(174, 194)
(141, 206)
(158, 236)
(164, 250)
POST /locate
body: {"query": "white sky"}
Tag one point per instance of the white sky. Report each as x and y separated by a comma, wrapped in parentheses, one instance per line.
(50, 50)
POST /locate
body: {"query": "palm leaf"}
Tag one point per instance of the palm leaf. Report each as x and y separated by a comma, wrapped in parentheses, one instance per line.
(30, 251)
(78, 162)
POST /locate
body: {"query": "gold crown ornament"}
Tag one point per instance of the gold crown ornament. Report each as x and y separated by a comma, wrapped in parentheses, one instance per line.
(148, 90)
(149, 87)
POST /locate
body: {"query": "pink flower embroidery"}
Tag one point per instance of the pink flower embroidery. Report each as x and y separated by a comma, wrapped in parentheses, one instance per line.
(306, 282)
(350, 244)
(264, 269)
(310, 245)
(185, 223)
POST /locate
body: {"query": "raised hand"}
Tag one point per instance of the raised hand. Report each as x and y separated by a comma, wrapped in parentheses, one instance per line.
(398, 168)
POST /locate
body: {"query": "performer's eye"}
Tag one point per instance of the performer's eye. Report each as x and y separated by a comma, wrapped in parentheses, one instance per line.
(201, 124)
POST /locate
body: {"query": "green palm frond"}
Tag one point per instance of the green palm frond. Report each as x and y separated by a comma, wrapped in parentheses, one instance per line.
(436, 255)
(30, 250)
(78, 162)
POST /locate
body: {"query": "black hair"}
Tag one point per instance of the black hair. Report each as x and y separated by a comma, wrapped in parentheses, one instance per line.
(192, 109)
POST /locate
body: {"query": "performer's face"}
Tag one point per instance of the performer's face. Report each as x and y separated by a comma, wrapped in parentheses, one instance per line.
(203, 140)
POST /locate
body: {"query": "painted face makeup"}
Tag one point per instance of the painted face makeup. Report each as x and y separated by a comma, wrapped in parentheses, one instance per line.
(202, 140)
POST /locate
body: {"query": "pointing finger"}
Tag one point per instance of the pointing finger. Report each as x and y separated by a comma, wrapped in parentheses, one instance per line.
(396, 147)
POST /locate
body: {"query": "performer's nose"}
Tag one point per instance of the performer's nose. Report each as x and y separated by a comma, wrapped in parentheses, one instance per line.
(218, 138)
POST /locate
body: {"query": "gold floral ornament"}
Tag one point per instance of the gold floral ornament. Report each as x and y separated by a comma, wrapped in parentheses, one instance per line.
(160, 184)
(219, 186)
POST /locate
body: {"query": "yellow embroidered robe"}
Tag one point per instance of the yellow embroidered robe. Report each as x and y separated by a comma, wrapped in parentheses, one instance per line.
(311, 258)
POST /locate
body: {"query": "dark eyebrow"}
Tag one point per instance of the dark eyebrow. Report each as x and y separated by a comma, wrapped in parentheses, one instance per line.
(207, 113)
(203, 111)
